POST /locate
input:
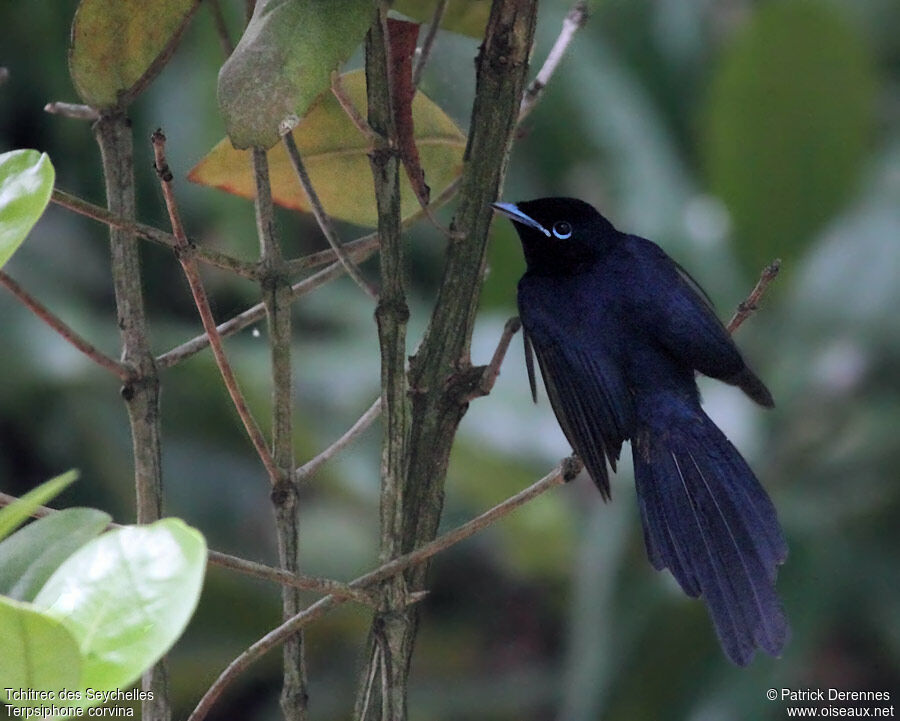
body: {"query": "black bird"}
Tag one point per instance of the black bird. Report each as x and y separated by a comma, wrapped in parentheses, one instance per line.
(619, 330)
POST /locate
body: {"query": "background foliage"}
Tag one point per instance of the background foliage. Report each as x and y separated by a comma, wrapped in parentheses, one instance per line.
(728, 132)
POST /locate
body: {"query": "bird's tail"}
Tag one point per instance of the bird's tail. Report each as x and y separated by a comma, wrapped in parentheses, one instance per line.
(709, 521)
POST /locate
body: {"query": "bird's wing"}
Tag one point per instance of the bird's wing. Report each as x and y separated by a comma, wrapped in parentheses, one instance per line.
(674, 307)
(529, 365)
(588, 393)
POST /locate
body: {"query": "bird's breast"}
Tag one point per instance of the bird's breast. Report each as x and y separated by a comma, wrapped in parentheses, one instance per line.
(580, 307)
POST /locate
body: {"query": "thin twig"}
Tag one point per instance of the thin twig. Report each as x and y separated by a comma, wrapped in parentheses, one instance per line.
(154, 235)
(248, 317)
(185, 257)
(562, 473)
(198, 343)
(489, 373)
(362, 125)
(323, 219)
(359, 249)
(362, 423)
(575, 19)
(286, 578)
(428, 42)
(123, 371)
(246, 567)
(271, 640)
(751, 303)
(363, 247)
(221, 27)
(370, 681)
(72, 110)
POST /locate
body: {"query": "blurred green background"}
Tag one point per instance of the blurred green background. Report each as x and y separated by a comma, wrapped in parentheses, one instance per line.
(730, 132)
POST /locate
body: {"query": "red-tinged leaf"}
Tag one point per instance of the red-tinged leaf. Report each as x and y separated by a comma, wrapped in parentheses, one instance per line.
(336, 156)
(403, 36)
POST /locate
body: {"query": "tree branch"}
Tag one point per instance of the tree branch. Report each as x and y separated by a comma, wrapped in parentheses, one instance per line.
(72, 110)
(225, 41)
(323, 219)
(749, 306)
(391, 315)
(360, 249)
(124, 372)
(113, 134)
(362, 125)
(566, 471)
(575, 20)
(363, 247)
(186, 258)
(249, 316)
(154, 235)
(247, 567)
(480, 380)
(276, 292)
(437, 408)
(428, 42)
(362, 423)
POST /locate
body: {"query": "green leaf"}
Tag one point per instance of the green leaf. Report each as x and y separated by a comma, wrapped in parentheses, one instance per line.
(38, 652)
(26, 183)
(467, 17)
(119, 46)
(126, 597)
(15, 514)
(789, 119)
(31, 555)
(336, 156)
(284, 62)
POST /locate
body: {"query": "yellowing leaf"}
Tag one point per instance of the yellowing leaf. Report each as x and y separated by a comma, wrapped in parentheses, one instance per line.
(467, 17)
(336, 156)
(118, 45)
(284, 62)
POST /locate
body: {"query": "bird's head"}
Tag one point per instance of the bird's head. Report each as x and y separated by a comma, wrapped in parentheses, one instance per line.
(559, 235)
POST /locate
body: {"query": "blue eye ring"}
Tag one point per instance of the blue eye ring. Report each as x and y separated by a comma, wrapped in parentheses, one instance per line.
(562, 229)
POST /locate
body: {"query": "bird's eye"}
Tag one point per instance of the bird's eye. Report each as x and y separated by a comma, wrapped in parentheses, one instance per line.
(562, 230)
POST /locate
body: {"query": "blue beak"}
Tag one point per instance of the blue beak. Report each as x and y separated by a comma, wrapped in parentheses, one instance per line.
(517, 216)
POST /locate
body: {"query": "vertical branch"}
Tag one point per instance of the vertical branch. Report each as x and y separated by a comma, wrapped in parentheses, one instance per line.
(437, 409)
(391, 312)
(276, 293)
(438, 405)
(387, 642)
(141, 394)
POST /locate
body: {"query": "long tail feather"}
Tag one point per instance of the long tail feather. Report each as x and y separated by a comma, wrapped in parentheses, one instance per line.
(708, 520)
